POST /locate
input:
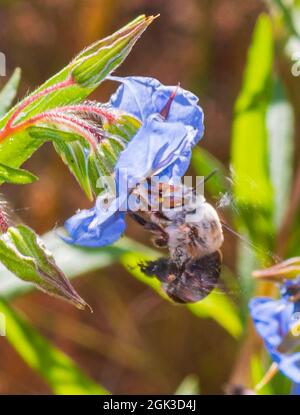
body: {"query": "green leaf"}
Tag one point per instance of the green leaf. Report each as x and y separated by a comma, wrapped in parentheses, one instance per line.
(204, 164)
(53, 134)
(290, 15)
(280, 123)
(9, 91)
(74, 155)
(257, 373)
(56, 368)
(74, 261)
(249, 154)
(18, 148)
(247, 260)
(97, 61)
(16, 176)
(210, 307)
(89, 166)
(189, 386)
(24, 254)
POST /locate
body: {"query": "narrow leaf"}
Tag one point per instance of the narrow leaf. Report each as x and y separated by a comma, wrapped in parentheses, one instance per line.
(56, 368)
(189, 386)
(249, 154)
(89, 166)
(90, 68)
(204, 164)
(16, 176)
(280, 123)
(9, 91)
(73, 260)
(52, 134)
(76, 261)
(208, 308)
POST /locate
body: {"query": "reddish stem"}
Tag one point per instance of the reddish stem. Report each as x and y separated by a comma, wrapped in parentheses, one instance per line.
(75, 124)
(27, 101)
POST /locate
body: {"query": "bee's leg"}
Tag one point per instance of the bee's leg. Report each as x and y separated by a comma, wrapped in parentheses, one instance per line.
(160, 215)
(147, 224)
(161, 237)
(139, 219)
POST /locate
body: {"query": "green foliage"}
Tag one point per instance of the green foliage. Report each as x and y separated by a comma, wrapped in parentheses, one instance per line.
(204, 164)
(97, 61)
(262, 152)
(24, 254)
(56, 368)
(16, 176)
(9, 91)
(74, 261)
(208, 308)
(252, 186)
(211, 307)
(100, 163)
(20, 146)
(257, 373)
(262, 168)
(189, 386)
(280, 124)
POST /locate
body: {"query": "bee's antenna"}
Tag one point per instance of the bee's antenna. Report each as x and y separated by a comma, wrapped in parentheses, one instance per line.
(210, 175)
(248, 242)
(205, 179)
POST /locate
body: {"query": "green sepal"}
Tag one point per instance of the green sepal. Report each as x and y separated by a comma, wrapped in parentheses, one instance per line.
(23, 253)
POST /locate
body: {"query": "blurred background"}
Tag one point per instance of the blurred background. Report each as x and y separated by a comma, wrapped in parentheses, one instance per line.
(134, 342)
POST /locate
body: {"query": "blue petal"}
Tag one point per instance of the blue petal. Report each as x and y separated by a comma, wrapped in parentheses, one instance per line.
(158, 148)
(142, 97)
(135, 95)
(88, 228)
(295, 389)
(289, 365)
(271, 319)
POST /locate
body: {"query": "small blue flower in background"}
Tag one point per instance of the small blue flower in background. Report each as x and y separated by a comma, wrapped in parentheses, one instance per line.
(172, 124)
(296, 389)
(277, 322)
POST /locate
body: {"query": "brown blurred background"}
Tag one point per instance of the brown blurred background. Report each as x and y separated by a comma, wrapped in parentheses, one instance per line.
(134, 342)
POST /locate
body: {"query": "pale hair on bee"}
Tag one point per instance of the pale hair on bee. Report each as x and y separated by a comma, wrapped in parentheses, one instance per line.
(190, 228)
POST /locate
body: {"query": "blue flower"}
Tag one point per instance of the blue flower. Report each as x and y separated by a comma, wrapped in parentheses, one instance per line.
(296, 389)
(275, 321)
(172, 123)
(95, 227)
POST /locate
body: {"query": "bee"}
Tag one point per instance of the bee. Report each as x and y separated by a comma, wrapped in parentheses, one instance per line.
(192, 233)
